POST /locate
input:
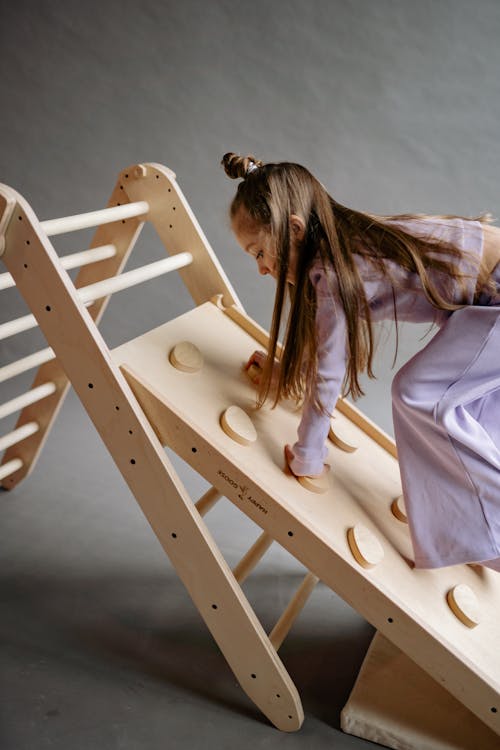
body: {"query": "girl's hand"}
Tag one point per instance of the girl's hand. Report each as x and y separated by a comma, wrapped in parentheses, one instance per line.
(255, 365)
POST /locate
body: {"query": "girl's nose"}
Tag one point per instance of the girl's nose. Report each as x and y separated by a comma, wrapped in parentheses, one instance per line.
(263, 269)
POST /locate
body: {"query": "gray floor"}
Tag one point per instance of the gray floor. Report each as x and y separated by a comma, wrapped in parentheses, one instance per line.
(102, 647)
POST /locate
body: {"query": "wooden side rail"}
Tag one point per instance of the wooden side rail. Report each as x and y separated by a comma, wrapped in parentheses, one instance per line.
(142, 461)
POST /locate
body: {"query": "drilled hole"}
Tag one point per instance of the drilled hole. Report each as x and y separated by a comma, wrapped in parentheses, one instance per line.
(290, 533)
(48, 308)
(28, 242)
(174, 535)
(214, 606)
(20, 218)
(493, 710)
(253, 676)
(194, 450)
(157, 176)
(26, 265)
(130, 432)
(132, 460)
(117, 408)
(389, 619)
(91, 385)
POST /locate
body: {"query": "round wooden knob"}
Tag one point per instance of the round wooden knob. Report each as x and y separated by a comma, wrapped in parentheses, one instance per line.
(315, 484)
(464, 605)
(237, 424)
(186, 357)
(343, 434)
(365, 546)
(398, 509)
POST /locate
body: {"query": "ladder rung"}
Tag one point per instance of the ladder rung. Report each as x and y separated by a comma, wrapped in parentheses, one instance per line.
(30, 397)
(11, 438)
(125, 280)
(295, 607)
(26, 363)
(88, 294)
(252, 557)
(75, 260)
(10, 467)
(208, 500)
(94, 218)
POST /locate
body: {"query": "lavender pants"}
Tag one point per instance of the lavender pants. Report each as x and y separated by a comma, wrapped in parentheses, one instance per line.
(446, 411)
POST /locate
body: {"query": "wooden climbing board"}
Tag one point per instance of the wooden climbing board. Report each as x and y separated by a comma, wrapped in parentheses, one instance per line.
(410, 607)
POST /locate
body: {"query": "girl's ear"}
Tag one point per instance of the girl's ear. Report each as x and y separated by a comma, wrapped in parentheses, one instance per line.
(297, 227)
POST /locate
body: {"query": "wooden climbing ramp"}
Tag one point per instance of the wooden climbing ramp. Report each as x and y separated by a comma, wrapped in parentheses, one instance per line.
(181, 385)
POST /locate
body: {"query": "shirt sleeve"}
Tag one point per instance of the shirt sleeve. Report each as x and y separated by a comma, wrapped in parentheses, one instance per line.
(310, 450)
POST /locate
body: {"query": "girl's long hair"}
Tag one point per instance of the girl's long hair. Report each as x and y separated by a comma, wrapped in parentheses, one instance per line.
(269, 195)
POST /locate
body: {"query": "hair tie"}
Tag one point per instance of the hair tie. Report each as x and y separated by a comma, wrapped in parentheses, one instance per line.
(252, 166)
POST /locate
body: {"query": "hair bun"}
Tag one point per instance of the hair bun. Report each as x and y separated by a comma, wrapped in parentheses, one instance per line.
(236, 166)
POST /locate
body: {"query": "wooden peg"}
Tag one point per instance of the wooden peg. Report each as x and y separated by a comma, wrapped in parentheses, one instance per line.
(365, 546)
(342, 435)
(186, 357)
(464, 605)
(237, 424)
(398, 509)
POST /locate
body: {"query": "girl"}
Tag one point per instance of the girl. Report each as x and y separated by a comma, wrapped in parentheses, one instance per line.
(342, 270)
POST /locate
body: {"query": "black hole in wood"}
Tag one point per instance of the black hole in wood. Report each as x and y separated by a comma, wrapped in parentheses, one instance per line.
(389, 619)
(214, 606)
(123, 221)
(170, 226)
(253, 676)
(493, 710)
(132, 460)
(130, 432)
(117, 408)
(48, 308)
(126, 175)
(278, 695)
(20, 218)
(26, 265)
(27, 242)
(173, 208)
(157, 176)
(290, 533)
(290, 717)
(174, 535)
(121, 187)
(91, 385)
(194, 450)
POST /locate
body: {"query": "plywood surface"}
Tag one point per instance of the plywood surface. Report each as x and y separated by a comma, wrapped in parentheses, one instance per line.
(409, 606)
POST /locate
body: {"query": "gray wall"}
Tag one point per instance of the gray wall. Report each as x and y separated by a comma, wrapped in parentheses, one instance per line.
(395, 106)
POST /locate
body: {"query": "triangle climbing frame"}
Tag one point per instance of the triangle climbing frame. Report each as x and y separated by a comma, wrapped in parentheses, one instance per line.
(349, 537)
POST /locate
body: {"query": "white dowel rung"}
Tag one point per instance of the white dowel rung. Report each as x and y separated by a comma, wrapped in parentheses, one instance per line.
(10, 467)
(75, 260)
(295, 607)
(26, 363)
(19, 325)
(86, 257)
(30, 397)
(88, 294)
(209, 499)
(94, 218)
(252, 557)
(125, 280)
(16, 436)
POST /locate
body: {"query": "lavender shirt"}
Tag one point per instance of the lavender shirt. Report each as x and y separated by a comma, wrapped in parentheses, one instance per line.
(411, 305)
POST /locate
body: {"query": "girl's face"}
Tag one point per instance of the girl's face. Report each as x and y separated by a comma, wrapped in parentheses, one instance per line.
(258, 243)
